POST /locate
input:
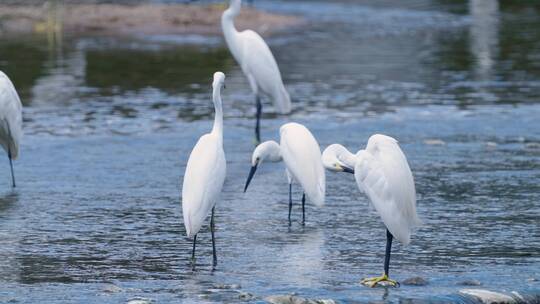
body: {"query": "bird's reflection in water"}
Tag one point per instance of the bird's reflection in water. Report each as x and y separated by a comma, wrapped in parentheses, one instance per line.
(8, 263)
(302, 261)
(7, 200)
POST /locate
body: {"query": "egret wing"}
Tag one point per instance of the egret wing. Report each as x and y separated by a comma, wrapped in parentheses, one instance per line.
(203, 181)
(302, 156)
(384, 175)
(10, 116)
(259, 62)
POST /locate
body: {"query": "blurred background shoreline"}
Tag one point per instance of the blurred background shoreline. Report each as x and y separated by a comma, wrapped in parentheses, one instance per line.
(129, 18)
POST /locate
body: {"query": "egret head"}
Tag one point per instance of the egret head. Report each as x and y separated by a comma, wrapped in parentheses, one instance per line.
(268, 150)
(219, 80)
(334, 159)
(235, 6)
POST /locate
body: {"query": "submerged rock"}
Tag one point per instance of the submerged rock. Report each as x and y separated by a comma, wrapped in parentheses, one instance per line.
(415, 281)
(246, 296)
(227, 286)
(434, 142)
(290, 299)
(489, 297)
(111, 288)
(470, 283)
(139, 301)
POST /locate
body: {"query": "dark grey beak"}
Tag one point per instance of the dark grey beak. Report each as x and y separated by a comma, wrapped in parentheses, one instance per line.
(250, 176)
(348, 170)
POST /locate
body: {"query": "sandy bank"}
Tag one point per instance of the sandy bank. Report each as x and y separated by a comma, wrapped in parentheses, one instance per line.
(133, 19)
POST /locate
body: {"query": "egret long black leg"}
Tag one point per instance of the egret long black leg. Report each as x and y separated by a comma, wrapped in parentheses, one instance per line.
(303, 208)
(193, 251)
(258, 104)
(372, 282)
(290, 202)
(212, 228)
(389, 238)
(11, 165)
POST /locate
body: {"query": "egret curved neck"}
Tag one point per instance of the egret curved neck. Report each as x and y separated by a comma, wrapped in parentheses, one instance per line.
(347, 158)
(218, 119)
(230, 32)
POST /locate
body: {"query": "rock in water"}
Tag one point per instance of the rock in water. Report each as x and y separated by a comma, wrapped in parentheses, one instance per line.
(489, 297)
(290, 299)
(415, 281)
(470, 283)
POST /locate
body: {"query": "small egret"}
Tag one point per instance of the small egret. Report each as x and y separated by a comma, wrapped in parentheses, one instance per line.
(302, 157)
(383, 174)
(257, 62)
(10, 120)
(205, 174)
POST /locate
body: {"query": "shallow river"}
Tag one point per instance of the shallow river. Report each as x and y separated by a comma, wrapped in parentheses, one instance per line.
(109, 124)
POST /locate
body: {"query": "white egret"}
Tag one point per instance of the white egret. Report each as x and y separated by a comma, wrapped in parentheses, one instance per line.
(257, 62)
(302, 157)
(383, 174)
(205, 174)
(10, 120)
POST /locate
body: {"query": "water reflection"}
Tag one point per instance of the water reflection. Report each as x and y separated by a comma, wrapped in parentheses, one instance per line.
(302, 261)
(484, 36)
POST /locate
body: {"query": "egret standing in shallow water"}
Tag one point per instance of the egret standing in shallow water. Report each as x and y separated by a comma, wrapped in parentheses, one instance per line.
(383, 174)
(302, 157)
(257, 62)
(205, 174)
(10, 120)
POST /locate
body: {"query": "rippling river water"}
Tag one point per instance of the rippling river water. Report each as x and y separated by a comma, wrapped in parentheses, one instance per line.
(109, 124)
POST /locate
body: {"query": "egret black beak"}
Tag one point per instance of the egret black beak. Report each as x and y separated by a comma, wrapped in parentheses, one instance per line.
(250, 176)
(348, 170)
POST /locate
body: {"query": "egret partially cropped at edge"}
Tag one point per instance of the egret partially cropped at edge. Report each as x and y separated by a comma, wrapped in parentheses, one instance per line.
(205, 174)
(10, 120)
(257, 63)
(301, 154)
(382, 172)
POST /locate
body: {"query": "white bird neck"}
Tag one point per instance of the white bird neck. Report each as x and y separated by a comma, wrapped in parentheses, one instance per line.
(230, 32)
(218, 118)
(347, 158)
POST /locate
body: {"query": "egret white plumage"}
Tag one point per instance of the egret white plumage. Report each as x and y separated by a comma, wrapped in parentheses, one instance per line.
(382, 172)
(205, 174)
(10, 120)
(301, 154)
(257, 63)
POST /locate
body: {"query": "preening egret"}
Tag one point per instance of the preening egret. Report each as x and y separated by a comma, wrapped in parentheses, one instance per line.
(302, 157)
(257, 62)
(383, 174)
(205, 174)
(10, 120)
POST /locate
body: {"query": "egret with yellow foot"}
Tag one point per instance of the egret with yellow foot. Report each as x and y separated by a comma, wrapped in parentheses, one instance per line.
(382, 172)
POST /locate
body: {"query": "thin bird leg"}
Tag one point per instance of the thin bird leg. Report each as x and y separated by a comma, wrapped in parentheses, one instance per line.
(303, 208)
(372, 282)
(212, 228)
(389, 238)
(290, 202)
(11, 165)
(258, 104)
(193, 252)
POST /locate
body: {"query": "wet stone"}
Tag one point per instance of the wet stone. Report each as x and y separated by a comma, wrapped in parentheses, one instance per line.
(290, 299)
(434, 142)
(246, 296)
(139, 301)
(227, 286)
(470, 283)
(111, 288)
(488, 297)
(415, 281)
